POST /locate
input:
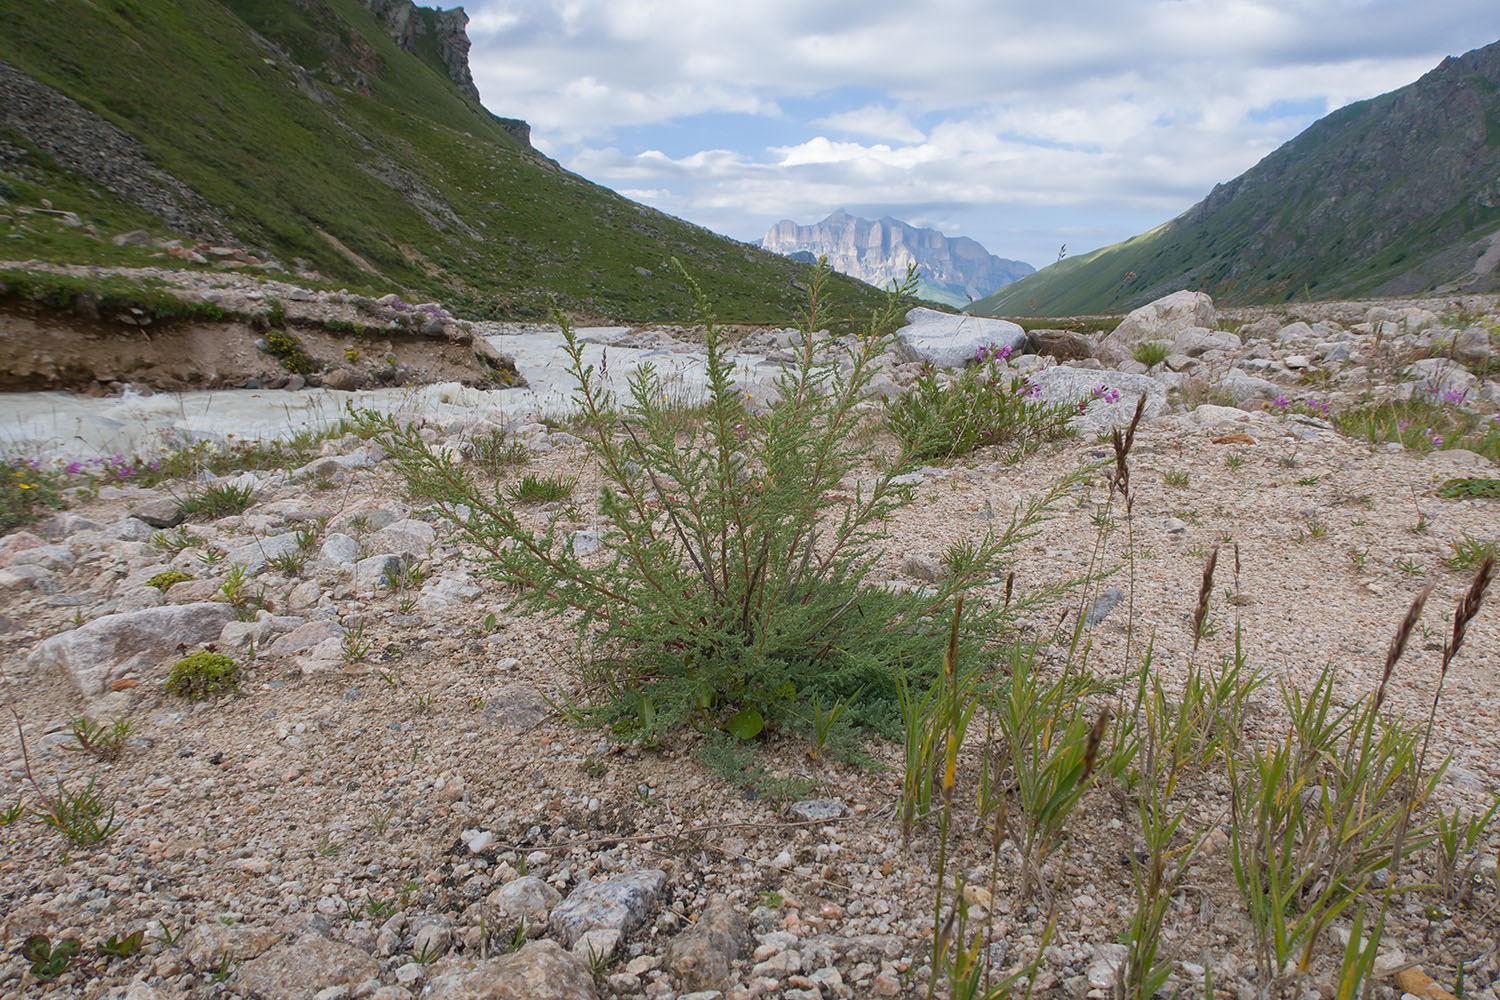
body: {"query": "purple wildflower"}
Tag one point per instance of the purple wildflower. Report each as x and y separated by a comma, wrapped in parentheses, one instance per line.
(1454, 396)
(1281, 402)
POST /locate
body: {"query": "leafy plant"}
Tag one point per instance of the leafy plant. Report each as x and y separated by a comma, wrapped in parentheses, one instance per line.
(203, 675)
(24, 488)
(123, 947)
(83, 816)
(287, 348)
(1471, 487)
(1470, 552)
(164, 581)
(734, 563)
(218, 500)
(99, 740)
(176, 540)
(982, 405)
(1151, 352)
(495, 452)
(1175, 477)
(355, 648)
(542, 489)
(49, 960)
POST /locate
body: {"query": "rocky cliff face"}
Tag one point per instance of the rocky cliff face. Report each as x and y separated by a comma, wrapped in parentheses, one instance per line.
(952, 270)
(406, 23)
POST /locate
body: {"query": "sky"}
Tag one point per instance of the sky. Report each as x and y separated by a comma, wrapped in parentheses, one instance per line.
(1073, 123)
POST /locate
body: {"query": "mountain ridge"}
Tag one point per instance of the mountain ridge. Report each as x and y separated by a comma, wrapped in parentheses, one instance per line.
(1394, 195)
(953, 270)
(303, 134)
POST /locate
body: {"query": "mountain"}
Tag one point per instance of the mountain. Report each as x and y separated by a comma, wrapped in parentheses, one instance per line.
(1396, 195)
(331, 136)
(953, 270)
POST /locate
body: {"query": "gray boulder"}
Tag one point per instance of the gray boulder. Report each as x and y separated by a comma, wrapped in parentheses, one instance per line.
(255, 555)
(1197, 340)
(622, 904)
(301, 969)
(699, 957)
(1076, 385)
(1246, 388)
(945, 340)
(108, 648)
(539, 971)
(525, 900)
(1163, 319)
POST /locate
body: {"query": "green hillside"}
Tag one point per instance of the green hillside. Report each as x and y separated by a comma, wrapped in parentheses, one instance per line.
(1389, 196)
(302, 132)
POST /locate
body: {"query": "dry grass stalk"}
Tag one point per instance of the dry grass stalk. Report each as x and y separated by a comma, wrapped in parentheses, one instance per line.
(1398, 643)
(1467, 609)
(1096, 736)
(1204, 590)
(1121, 479)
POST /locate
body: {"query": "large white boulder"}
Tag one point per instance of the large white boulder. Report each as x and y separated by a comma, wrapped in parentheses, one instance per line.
(108, 648)
(1163, 319)
(945, 340)
(1078, 385)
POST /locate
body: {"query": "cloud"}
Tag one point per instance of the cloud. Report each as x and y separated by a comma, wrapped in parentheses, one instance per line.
(875, 120)
(1013, 125)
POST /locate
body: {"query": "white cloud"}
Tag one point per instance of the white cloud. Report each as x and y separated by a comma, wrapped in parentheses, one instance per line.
(1081, 117)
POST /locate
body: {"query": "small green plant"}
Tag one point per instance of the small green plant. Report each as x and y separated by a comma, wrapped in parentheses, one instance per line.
(1471, 488)
(287, 348)
(176, 540)
(83, 816)
(355, 648)
(99, 740)
(327, 848)
(733, 761)
(380, 820)
(1175, 477)
(211, 555)
(49, 960)
(1409, 566)
(116, 946)
(11, 813)
(542, 489)
(1234, 461)
(495, 452)
(822, 724)
(982, 405)
(1470, 552)
(288, 564)
(218, 500)
(1455, 836)
(203, 675)
(1309, 480)
(1151, 352)
(25, 488)
(224, 969)
(164, 581)
(168, 936)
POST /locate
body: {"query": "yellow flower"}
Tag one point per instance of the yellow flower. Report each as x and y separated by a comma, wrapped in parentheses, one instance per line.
(25, 486)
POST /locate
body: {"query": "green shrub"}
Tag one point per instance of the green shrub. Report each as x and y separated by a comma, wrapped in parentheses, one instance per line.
(542, 489)
(495, 451)
(202, 675)
(983, 405)
(288, 349)
(23, 489)
(736, 559)
(1152, 352)
(164, 581)
(218, 500)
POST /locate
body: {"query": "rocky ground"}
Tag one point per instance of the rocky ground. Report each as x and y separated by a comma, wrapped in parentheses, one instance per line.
(394, 802)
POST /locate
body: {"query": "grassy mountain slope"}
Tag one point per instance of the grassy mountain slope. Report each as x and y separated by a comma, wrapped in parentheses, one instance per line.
(1388, 196)
(308, 135)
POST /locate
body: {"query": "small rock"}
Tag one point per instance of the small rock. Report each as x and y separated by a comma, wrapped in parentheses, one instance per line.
(621, 903)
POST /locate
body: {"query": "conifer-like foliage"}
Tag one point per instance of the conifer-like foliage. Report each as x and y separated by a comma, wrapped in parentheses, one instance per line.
(735, 551)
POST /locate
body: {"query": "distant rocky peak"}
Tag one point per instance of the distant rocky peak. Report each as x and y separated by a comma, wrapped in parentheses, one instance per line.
(404, 22)
(952, 270)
